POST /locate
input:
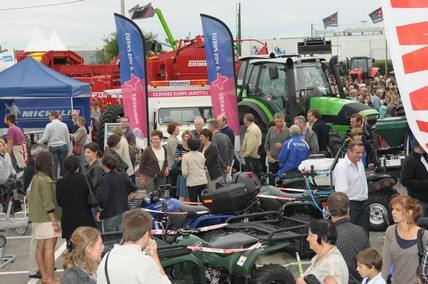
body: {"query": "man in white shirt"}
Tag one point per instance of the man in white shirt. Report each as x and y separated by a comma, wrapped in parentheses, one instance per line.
(58, 138)
(350, 178)
(136, 261)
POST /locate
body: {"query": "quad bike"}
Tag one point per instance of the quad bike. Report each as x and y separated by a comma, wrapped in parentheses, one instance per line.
(318, 173)
(231, 255)
(231, 199)
(297, 199)
(304, 194)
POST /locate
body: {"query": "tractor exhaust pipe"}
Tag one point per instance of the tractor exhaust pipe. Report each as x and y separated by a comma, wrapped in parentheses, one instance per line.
(333, 66)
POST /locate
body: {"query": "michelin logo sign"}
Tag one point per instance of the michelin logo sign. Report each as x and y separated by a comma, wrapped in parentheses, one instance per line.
(34, 113)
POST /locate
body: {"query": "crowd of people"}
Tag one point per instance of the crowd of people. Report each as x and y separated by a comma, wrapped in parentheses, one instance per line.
(380, 93)
(59, 178)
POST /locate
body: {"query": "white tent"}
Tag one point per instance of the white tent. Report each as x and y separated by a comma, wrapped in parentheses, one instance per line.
(37, 42)
(55, 42)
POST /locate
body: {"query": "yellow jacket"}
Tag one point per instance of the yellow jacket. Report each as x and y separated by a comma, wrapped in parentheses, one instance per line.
(252, 141)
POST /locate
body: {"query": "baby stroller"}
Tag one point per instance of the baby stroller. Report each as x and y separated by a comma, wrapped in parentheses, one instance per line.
(13, 201)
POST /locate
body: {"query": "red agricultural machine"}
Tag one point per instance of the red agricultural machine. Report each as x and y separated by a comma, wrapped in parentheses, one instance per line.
(361, 69)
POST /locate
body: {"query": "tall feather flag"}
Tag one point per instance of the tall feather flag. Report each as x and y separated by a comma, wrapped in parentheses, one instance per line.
(133, 79)
(331, 21)
(218, 43)
(376, 16)
(143, 12)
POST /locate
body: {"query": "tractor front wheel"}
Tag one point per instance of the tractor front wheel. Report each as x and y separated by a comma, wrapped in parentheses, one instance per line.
(273, 274)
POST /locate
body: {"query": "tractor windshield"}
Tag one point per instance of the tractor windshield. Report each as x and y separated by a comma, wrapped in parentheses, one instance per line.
(242, 73)
(311, 78)
(360, 63)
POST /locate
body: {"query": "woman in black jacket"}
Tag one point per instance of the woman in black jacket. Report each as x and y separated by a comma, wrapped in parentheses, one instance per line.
(72, 195)
(116, 190)
(94, 170)
(212, 162)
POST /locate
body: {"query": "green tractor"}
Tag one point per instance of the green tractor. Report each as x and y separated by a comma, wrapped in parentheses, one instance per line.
(292, 85)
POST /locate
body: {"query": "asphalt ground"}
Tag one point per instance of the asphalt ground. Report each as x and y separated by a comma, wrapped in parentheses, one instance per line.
(18, 245)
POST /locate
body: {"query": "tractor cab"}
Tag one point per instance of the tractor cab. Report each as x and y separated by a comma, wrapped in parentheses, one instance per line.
(361, 68)
(285, 84)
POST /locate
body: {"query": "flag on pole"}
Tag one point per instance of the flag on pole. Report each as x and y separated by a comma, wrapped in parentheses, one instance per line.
(331, 21)
(218, 43)
(376, 16)
(133, 76)
(143, 12)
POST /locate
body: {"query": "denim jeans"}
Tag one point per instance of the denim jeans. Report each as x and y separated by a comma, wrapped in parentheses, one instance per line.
(113, 224)
(59, 153)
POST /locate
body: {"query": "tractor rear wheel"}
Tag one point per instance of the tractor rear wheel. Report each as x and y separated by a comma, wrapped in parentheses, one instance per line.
(109, 116)
(274, 274)
(335, 142)
(380, 214)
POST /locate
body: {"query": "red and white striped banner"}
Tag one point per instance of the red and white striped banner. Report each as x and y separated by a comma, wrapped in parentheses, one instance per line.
(291, 189)
(276, 197)
(202, 229)
(173, 212)
(224, 251)
(406, 26)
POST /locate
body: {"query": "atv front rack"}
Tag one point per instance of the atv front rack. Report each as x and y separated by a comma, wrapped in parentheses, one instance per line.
(273, 229)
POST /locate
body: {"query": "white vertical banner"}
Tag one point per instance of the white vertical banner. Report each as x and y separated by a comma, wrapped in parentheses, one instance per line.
(406, 27)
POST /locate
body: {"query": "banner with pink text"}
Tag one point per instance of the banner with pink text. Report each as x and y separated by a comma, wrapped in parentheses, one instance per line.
(218, 43)
(133, 76)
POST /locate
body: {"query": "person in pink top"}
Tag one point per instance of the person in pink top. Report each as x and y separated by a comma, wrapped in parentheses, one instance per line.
(15, 137)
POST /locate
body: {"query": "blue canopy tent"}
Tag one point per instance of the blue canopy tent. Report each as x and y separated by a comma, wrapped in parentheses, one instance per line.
(31, 90)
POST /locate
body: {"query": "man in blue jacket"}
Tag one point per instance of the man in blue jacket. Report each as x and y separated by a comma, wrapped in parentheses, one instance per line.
(293, 152)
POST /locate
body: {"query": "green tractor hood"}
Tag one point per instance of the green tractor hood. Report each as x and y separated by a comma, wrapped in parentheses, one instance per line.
(337, 112)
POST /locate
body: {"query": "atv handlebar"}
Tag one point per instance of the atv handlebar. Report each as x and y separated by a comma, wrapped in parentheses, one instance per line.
(155, 195)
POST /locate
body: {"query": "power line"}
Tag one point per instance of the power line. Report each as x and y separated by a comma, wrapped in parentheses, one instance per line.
(40, 6)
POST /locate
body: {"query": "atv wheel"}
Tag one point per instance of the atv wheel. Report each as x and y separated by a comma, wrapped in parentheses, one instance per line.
(334, 143)
(274, 274)
(109, 116)
(379, 210)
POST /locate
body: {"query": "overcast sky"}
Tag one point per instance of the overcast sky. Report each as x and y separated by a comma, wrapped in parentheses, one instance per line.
(87, 22)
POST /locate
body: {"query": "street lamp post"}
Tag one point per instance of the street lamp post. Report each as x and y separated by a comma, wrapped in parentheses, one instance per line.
(122, 7)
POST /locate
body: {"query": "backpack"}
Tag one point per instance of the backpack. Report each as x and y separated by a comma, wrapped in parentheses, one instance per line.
(133, 150)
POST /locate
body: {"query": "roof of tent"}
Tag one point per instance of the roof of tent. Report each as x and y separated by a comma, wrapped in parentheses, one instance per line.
(29, 78)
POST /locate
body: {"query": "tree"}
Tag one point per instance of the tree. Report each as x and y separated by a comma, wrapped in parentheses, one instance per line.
(110, 49)
(381, 65)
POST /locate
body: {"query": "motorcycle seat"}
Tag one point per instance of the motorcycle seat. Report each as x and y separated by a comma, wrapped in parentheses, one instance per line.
(194, 208)
(233, 241)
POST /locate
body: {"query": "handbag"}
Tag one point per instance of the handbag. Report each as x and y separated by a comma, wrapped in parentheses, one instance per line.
(92, 197)
(311, 279)
(133, 150)
(421, 250)
(77, 149)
